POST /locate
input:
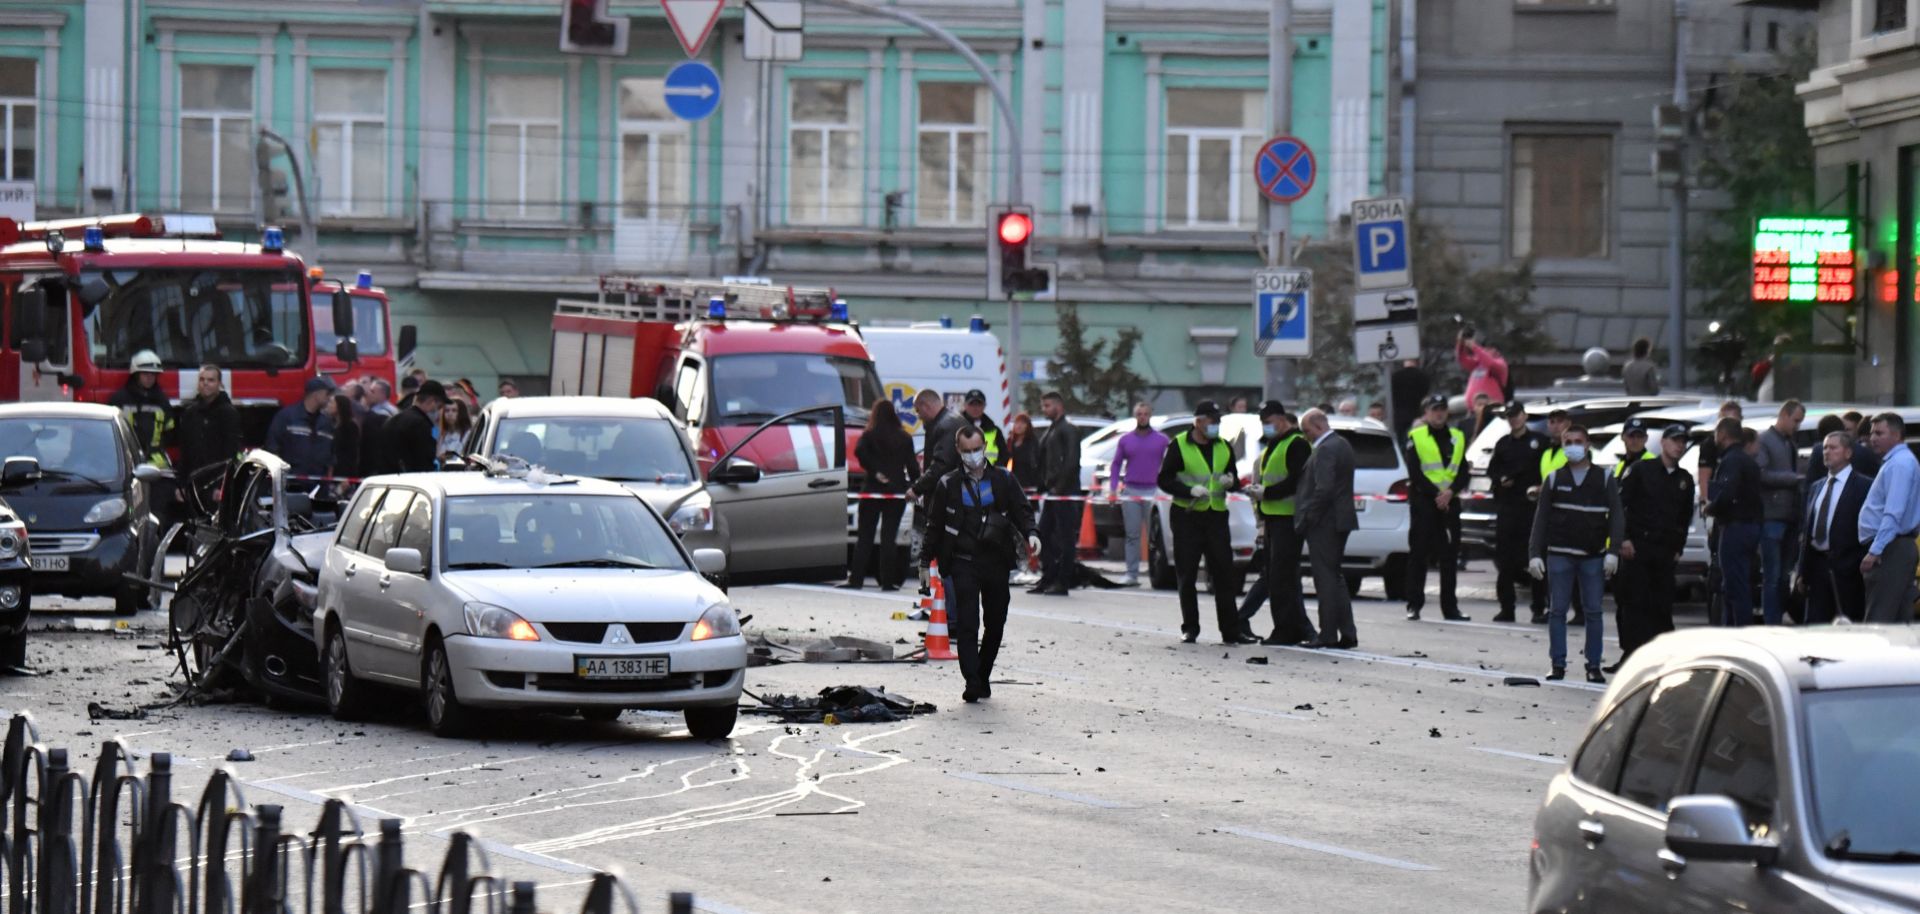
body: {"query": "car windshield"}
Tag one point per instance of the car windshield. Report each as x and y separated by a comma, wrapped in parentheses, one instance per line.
(369, 327)
(1864, 747)
(82, 448)
(231, 318)
(750, 389)
(622, 449)
(558, 530)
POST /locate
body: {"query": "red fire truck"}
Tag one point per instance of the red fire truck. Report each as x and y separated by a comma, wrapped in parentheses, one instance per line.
(378, 352)
(772, 382)
(80, 297)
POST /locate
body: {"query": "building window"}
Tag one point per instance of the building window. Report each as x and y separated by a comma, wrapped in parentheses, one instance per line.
(655, 180)
(823, 143)
(19, 131)
(953, 154)
(216, 138)
(523, 147)
(1562, 196)
(1889, 15)
(1212, 137)
(350, 140)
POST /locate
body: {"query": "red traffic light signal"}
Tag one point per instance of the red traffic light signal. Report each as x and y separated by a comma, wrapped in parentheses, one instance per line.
(1015, 228)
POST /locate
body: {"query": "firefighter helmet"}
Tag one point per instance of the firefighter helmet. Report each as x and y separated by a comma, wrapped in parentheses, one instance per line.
(146, 360)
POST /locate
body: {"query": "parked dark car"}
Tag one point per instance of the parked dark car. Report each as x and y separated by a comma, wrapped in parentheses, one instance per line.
(69, 471)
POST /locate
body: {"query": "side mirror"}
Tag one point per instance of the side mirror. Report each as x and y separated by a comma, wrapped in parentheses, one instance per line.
(33, 350)
(347, 350)
(405, 561)
(1714, 828)
(19, 471)
(709, 561)
(150, 474)
(409, 340)
(342, 314)
(735, 472)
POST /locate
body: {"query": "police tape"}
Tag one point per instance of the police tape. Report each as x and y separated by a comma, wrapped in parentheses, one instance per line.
(1120, 499)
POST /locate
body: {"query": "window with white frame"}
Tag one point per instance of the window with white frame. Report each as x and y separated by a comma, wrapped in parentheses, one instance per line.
(19, 129)
(216, 138)
(1561, 199)
(953, 154)
(1886, 16)
(1212, 137)
(823, 151)
(523, 163)
(350, 141)
(655, 165)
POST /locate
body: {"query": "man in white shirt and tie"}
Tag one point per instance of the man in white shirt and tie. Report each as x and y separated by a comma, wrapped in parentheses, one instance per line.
(1830, 545)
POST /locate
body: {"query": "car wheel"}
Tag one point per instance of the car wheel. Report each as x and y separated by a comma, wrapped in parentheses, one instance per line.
(1160, 570)
(347, 697)
(1395, 578)
(601, 715)
(712, 723)
(446, 716)
(1353, 585)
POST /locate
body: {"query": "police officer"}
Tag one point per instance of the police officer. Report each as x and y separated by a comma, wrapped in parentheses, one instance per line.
(1554, 457)
(1512, 472)
(1435, 451)
(975, 513)
(1657, 496)
(1634, 436)
(1280, 466)
(302, 435)
(1577, 529)
(975, 412)
(146, 407)
(1198, 472)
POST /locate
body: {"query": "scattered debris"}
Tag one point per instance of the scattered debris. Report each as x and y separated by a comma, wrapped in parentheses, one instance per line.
(840, 705)
(1304, 707)
(240, 755)
(1522, 681)
(1433, 732)
(98, 711)
(845, 649)
(1259, 660)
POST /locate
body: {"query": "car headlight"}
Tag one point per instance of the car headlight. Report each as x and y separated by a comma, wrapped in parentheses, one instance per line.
(106, 512)
(13, 541)
(486, 620)
(690, 518)
(718, 621)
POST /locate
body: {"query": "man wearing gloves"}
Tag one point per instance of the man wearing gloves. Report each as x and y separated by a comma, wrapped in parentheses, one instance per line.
(975, 514)
(1576, 530)
(1198, 472)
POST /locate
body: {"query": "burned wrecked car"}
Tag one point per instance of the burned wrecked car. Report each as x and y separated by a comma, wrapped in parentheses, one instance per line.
(241, 617)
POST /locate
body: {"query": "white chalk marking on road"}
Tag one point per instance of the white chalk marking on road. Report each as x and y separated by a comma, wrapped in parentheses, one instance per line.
(526, 856)
(1316, 846)
(340, 771)
(1263, 712)
(1523, 756)
(318, 742)
(1080, 798)
(476, 766)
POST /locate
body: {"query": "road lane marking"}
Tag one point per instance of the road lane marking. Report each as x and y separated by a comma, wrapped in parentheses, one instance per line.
(1263, 712)
(1523, 756)
(1080, 798)
(1316, 846)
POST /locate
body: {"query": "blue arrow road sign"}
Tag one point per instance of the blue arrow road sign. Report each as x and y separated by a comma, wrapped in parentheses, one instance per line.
(1285, 169)
(693, 90)
(1282, 309)
(1380, 251)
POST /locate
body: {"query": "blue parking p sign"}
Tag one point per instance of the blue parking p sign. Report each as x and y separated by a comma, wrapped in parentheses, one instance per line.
(1283, 313)
(1380, 244)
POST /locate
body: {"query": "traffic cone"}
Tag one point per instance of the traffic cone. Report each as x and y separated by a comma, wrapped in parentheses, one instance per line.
(939, 645)
(1089, 540)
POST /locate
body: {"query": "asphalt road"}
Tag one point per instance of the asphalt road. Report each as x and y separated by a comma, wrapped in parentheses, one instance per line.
(1112, 765)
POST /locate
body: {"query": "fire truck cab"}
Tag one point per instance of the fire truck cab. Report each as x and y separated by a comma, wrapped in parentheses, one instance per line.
(380, 354)
(80, 297)
(772, 384)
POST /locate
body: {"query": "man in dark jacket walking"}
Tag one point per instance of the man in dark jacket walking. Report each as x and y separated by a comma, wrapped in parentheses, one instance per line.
(978, 514)
(1736, 509)
(1514, 471)
(301, 433)
(409, 445)
(1059, 519)
(209, 429)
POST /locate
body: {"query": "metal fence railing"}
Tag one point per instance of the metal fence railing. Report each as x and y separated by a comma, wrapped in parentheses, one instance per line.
(119, 842)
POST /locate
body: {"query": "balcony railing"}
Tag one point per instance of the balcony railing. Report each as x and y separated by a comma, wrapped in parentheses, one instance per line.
(574, 240)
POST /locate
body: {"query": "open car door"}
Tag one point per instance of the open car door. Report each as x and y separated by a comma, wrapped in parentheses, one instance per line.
(783, 492)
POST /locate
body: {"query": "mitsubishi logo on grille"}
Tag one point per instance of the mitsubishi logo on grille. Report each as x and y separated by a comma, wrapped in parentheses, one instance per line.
(616, 634)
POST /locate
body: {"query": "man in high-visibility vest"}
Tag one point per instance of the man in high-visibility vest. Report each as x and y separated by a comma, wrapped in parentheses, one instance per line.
(1634, 436)
(975, 412)
(1553, 457)
(1278, 477)
(1198, 472)
(1436, 454)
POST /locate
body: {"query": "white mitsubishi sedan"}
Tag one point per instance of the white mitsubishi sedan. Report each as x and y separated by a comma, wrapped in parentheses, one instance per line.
(515, 589)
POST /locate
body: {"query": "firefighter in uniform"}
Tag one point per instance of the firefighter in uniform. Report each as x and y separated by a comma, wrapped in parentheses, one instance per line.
(146, 407)
(975, 412)
(974, 515)
(1577, 529)
(1197, 473)
(1513, 472)
(1435, 450)
(1280, 466)
(1657, 496)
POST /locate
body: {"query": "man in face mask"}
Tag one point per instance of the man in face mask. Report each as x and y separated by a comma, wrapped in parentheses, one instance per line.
(1577, 531)
(974, 515)
(1198, 472)
(1280, 467)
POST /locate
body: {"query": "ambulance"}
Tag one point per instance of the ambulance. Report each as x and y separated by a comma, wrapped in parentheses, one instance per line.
(940, 356)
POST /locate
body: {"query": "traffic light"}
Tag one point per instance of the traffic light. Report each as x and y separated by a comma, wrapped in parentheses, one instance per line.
(1010, 270)
(585, 28)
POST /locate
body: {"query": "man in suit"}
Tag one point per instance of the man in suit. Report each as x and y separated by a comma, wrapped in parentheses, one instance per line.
(1324, 515)
(1830, 544)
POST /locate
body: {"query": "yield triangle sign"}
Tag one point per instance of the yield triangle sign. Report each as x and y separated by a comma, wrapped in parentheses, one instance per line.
(692, 21)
